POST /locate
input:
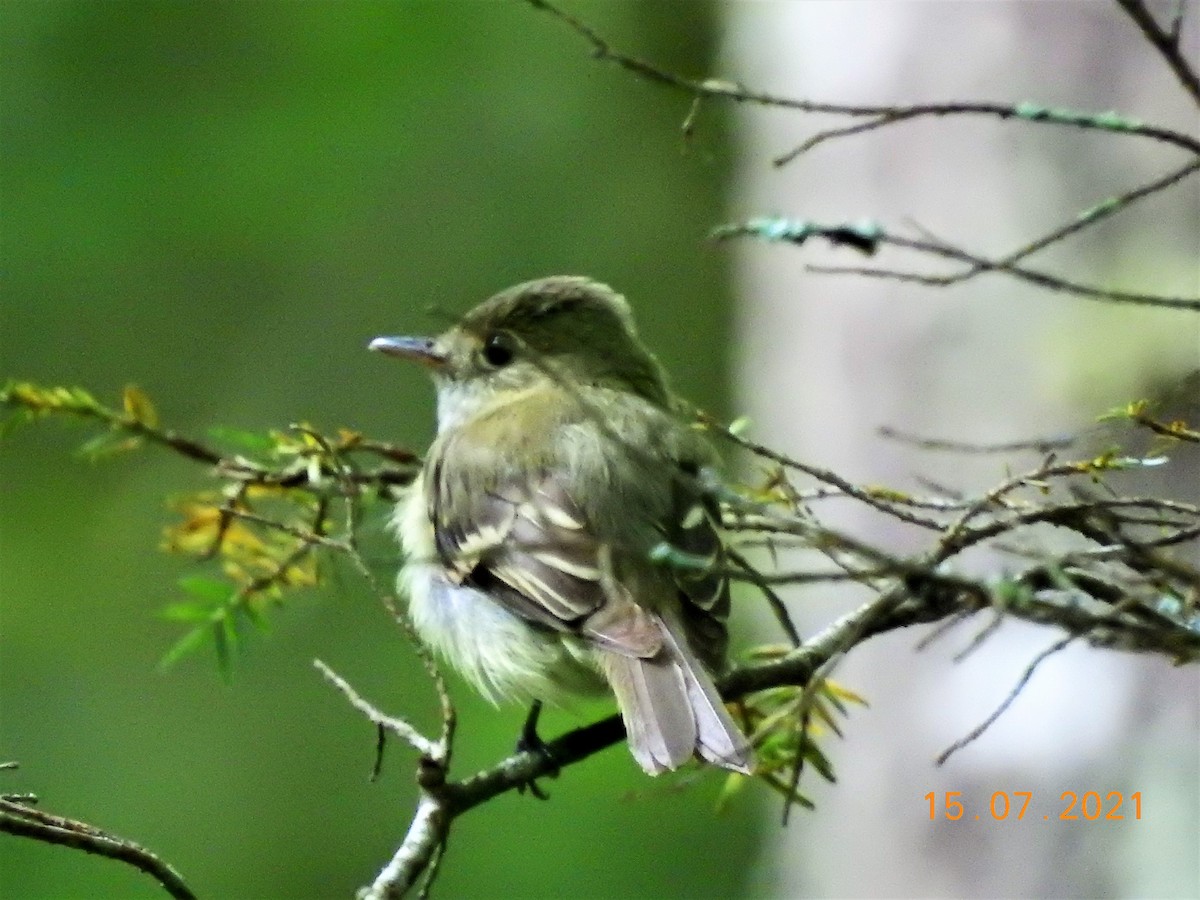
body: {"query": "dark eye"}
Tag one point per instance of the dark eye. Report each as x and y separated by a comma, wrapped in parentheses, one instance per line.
(498, 350)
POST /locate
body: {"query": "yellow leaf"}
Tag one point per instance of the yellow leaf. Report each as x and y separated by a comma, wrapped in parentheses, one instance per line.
(138, 406)
(886, 493)
(844, 693)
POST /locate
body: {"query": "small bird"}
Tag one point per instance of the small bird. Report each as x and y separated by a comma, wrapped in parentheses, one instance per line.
(561, 461)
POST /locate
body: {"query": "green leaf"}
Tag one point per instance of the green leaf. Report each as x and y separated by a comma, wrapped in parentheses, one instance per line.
(187, 611)
(819, 761)
(107, 444)
(223, 637)
(834, 699)
(1100, 209)
(791, 795)
(820, 709)
(1117, 122)
(834, 689)
(187, 644)
(802, 801)
(249, 441)
(739, 426)
(15, 421)
(213, 590)
(253, 615)
(78, 399)
(734, 783)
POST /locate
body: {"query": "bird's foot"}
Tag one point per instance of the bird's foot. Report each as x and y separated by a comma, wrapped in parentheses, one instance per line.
(530, 741)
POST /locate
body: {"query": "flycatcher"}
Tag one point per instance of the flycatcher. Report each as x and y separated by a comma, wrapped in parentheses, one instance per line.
(561, 461)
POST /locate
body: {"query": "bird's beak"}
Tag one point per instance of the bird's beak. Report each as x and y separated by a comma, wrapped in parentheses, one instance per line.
(422, 350)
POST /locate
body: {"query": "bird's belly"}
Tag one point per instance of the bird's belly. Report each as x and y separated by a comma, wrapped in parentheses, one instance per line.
(503, 655)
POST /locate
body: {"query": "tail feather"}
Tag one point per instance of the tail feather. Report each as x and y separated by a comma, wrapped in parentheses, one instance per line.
(718, 739)
(660, 728)
(672, 709)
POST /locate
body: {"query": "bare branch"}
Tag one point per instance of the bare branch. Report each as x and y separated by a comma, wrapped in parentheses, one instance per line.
(399, 727)
(976, 732)
(426, 833)
(798, 231)
(778, 607)
(1165, 42)
(878, 116)
(23, 820)
(1101, 211)
(1037, 445)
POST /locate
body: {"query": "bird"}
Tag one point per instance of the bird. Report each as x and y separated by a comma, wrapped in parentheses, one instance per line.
(562, 460)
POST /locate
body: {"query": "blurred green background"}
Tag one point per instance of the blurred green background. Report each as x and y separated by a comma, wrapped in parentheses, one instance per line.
(222, 203)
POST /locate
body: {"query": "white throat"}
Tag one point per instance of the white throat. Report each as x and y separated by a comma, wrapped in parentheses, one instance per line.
(456, 402)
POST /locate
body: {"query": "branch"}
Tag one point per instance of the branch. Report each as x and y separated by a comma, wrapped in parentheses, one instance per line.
(400, 727)
(877, 116)
(976, 732)
(867, 237)
(1123, 591)
(922, 596)
(441, 802)
(1165, 42)
(1177, 430)
(283, 462)
(1037, 445)
(1143, 600)
(21, 819)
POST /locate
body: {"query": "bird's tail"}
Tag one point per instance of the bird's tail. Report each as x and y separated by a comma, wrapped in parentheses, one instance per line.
(672, 709)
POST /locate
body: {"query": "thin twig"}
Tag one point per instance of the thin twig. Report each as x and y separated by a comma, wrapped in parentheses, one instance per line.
(1038, 445)
(399, 727)
(782, 616)
(1012, 695)
(1101, 211)
(1166, 43)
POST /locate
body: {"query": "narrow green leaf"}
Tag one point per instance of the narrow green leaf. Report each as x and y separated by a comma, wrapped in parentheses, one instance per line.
(734, 783)
(223, 636)
(214, 590)
(834, 700)
(108, 443)
(813, 755)
(184, 646)
(254, 616)
(79, 399)
(187, 611)
(841, 691)
(802, 801)
(15, 421)
(820, 709)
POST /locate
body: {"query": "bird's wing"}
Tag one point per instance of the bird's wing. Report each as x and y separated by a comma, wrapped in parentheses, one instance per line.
(694, 528)
(533, 537)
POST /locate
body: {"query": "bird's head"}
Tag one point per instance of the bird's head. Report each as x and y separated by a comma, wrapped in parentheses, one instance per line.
(564, 329)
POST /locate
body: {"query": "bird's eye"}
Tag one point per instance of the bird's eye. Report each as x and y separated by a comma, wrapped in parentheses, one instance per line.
(498, 350)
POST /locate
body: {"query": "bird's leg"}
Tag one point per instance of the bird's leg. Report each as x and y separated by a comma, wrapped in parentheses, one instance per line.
(531, 742)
